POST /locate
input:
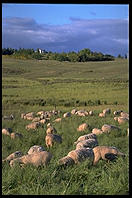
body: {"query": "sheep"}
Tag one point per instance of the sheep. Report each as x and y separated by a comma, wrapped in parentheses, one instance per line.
(82, 127)
(15, 135)
(33, 125)
(13, 156)
(28, 117)
(101, 152)
(51, 130)
(122, 120)
(107, 111)
(81, 154)
(102, 115)
(124, 114)
(107, 128)
(117, 112)
(90, 113)
(35, 148)
(43, 121)
(57, 120)
(68, 114)
(39, 113)
(73, 111)
(37, 159)
(7, 131)
(66, 161)
(97, 131)
(91, 143)
(51, 138)
(31, 114)
(85, 137)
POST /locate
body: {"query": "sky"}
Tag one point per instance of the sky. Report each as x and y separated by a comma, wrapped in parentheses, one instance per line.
(67, 27)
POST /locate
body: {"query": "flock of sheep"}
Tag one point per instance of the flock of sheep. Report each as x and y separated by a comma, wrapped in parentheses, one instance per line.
(86, 146)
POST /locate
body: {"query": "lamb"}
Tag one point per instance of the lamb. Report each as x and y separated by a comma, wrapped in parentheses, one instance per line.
(102, 152)
(51, 138)
(97, 131)
(85, 137)
(90, 143)
(36, 148)
(33, 125)
(82, 127)
(81, 154)
(7, 131)
(122, 120)
(13, 156)
(37, 159)
(107, 128)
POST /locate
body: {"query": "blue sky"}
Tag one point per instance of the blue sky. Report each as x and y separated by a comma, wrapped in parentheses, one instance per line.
(66, 27)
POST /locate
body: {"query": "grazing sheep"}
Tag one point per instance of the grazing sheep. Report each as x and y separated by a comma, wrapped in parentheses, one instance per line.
(73, 111)
(91, 143)
(124, 114)
(57, 120)
(97, 131)
(122, 120)
(15, 135)
(68, 114)
(36, 148)
(33, 125)
(102, 115)
(36, 159)
(117, 112)
(39, 113)
(13, 156)
(81, 154)
(7, 131)
(100, 152)
(51, 138)
(51, 130)
(86, 137)
(107, 128)
(66, 161)
(90, 113)
(107, 111)
(82, 127)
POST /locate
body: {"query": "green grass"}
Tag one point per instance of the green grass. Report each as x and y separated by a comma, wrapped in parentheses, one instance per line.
(31, 85)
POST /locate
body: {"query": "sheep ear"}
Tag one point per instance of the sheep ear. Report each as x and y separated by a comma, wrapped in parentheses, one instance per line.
(110, 156)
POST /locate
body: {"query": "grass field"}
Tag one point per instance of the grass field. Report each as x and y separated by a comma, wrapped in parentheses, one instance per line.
(32, 85)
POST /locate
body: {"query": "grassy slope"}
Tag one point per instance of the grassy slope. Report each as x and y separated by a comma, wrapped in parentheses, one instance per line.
(26, 80)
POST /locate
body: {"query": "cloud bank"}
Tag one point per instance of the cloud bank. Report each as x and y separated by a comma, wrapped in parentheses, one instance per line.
(109, 36)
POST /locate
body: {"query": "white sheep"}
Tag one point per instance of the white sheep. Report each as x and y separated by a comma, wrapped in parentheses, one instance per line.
(50, 139)
(97, 131)
(36, 148)
(82, 127)
(91, 143)
(86, 137)
(12, 156)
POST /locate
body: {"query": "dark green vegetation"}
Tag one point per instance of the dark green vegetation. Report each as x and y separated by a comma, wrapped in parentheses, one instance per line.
(82, 56)
(32, 85)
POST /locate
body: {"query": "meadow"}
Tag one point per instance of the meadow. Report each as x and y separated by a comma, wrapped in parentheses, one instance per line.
(35, 85)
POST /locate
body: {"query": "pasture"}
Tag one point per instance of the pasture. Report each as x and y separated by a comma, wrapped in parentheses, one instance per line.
(33, 85)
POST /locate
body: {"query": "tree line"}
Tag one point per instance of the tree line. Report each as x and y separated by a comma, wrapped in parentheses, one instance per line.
(83, 55)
